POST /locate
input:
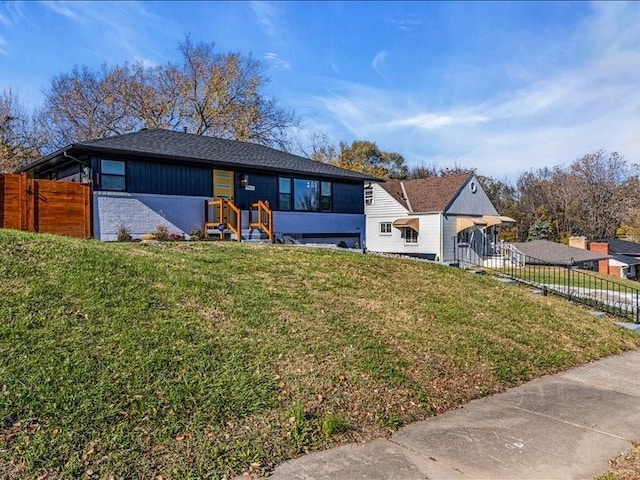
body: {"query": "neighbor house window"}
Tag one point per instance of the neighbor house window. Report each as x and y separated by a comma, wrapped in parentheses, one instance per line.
(410, 235)
(368, 196)
(284, 193)
(112, 175)
(385, 228)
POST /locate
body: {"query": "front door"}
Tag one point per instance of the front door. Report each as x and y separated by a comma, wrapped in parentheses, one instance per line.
(223, 184)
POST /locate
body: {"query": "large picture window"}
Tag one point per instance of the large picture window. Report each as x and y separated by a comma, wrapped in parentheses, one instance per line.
(112, 175)
(305, 195)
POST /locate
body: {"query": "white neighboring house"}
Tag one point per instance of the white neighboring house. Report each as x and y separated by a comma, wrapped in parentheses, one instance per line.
(441, 218)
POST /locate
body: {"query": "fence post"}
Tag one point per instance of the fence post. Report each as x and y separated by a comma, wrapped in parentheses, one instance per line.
(23, 199)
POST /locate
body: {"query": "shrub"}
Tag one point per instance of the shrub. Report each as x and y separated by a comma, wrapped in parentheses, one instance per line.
(196, 234)
(123, 234)
(176, 237)
(161, 233)
(148, 236)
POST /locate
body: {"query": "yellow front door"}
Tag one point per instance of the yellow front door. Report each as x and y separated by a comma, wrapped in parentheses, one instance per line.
(223, 184)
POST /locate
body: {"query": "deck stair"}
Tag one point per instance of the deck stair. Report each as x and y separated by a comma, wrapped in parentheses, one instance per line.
(223, 221)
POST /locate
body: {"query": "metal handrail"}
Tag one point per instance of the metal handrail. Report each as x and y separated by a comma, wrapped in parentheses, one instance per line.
(581, 286)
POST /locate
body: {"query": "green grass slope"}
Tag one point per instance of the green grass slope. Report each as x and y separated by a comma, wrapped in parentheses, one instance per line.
(205, 359)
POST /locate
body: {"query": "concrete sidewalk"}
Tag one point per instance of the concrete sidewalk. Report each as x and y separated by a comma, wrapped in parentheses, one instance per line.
(566, 425)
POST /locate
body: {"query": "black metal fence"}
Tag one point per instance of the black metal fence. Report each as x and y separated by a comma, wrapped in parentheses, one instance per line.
(618, 298)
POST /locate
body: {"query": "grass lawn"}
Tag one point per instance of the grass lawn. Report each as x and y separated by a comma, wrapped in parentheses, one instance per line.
(191, 360)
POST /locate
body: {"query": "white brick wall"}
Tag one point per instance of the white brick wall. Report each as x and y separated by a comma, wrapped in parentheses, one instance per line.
(142, 213)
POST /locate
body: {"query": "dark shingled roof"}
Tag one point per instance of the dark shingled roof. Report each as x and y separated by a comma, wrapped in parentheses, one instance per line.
(625, 259)
(433, 194)
(182, 147)
(556, 253)
(624, 247)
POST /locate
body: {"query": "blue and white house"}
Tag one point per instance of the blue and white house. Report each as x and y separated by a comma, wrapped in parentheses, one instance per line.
(143, 179)
(446, 219)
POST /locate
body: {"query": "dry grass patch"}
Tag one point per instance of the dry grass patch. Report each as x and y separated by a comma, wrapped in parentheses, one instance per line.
(624, 467)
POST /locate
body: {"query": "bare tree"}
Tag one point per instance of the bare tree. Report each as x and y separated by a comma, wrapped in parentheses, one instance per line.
(85, 104)
(319, 148)
(220, 94)
(19, 139)
(207, 94)
(593, 196)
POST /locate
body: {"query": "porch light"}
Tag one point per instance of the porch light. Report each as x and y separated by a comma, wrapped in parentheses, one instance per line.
(244, 180)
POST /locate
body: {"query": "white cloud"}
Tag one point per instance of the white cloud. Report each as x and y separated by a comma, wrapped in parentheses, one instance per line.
(3, 44)
(13, 13)
(554, 116)
(146, 62)
(431, 121)
(66, 9)
(406, 24)
(277, 61)
(265, 13)
(123, 24)
(378, 60)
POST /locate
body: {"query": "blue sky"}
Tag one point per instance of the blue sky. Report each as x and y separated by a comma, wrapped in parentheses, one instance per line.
(502, 87)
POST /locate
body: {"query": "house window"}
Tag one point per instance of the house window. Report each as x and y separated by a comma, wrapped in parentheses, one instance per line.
(385, 228)
(306, 195)
(465, 236)
(325, 196)
(368, 196)
(112, 175)
(410, 235)
(284, 193)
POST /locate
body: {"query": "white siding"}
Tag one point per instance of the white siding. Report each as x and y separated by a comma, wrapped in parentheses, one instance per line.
(386, 209)
(430, 234)
(469, 203)
(384, 204)
(383, 209)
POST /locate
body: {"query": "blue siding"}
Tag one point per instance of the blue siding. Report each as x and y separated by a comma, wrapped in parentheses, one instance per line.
(266, 188)
(191, 180)
(168, 179)
(348, 197)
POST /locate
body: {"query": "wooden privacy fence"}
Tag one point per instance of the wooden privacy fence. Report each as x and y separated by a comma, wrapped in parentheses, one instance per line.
(45, 206)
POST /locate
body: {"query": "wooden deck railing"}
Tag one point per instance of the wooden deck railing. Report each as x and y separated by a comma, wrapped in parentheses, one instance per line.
(223, 212)
(261, 216)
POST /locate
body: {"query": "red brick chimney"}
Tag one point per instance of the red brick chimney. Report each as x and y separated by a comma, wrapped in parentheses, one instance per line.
(601, 247)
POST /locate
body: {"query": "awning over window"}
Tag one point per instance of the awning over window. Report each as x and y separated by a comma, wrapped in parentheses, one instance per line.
(409, 222)
(497, 220)
(462, 223)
